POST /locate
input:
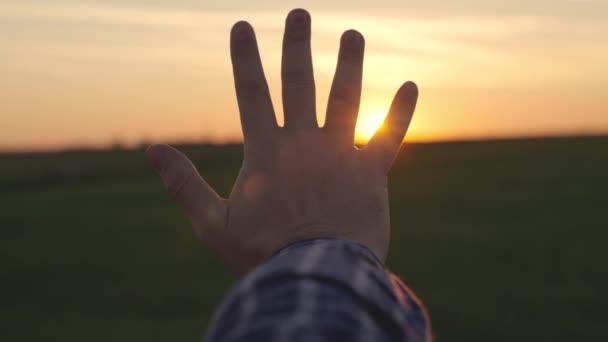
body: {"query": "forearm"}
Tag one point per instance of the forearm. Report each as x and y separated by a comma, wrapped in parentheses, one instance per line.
(324, 289)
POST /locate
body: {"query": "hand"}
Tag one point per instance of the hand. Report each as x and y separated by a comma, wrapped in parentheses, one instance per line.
(299, 181)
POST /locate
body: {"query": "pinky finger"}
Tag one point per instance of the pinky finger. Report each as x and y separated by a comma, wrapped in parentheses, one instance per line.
(385, 144)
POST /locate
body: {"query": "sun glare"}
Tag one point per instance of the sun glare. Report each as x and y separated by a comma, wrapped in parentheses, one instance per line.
(367, 125)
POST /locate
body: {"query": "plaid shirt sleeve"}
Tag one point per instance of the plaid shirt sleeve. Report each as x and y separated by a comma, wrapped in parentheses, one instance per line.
(320, 290)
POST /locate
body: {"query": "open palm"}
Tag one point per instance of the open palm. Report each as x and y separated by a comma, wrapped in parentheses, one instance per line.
(299, 181)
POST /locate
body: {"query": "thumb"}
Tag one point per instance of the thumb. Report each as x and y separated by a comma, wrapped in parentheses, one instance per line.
(192, 193)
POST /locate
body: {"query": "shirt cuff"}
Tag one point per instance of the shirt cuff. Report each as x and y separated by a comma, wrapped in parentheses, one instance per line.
(348, 262)
(368, 292)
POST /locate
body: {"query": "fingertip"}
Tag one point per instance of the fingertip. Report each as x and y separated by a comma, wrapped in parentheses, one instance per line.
(241, 25)
(406, 97)
(353, 38)
(410, 88)
(298, 16)
(155, 154)
(241, 30)
(153, 150)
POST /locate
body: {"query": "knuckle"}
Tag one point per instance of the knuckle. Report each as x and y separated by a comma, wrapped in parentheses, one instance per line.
(297, 76)
(344, 96)
(244, 51)
(250, 88)
(177, 180)
(296, 37)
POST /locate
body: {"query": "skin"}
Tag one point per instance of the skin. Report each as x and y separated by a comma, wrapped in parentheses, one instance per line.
(300, 181)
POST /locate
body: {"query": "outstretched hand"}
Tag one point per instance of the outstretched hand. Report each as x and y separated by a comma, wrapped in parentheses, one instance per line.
(299, 181)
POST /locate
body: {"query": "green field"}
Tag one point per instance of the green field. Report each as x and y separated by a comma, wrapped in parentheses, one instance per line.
(503, 240)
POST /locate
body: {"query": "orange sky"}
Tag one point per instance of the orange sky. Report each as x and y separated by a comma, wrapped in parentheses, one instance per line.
(96, 72)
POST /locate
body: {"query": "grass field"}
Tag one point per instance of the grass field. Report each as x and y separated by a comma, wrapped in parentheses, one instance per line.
(503, 240)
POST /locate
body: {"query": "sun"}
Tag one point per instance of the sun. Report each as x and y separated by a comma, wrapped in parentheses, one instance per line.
(367, 125)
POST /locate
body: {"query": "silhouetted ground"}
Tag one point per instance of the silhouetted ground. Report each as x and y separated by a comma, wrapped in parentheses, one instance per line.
(503, 240)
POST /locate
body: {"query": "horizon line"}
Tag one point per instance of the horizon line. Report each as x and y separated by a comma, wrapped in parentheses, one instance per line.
(192, 142)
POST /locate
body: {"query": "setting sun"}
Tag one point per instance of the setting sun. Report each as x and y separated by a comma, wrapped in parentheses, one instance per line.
(367, 125)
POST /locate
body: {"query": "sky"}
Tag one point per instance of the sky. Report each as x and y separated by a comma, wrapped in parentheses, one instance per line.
(77, 73)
